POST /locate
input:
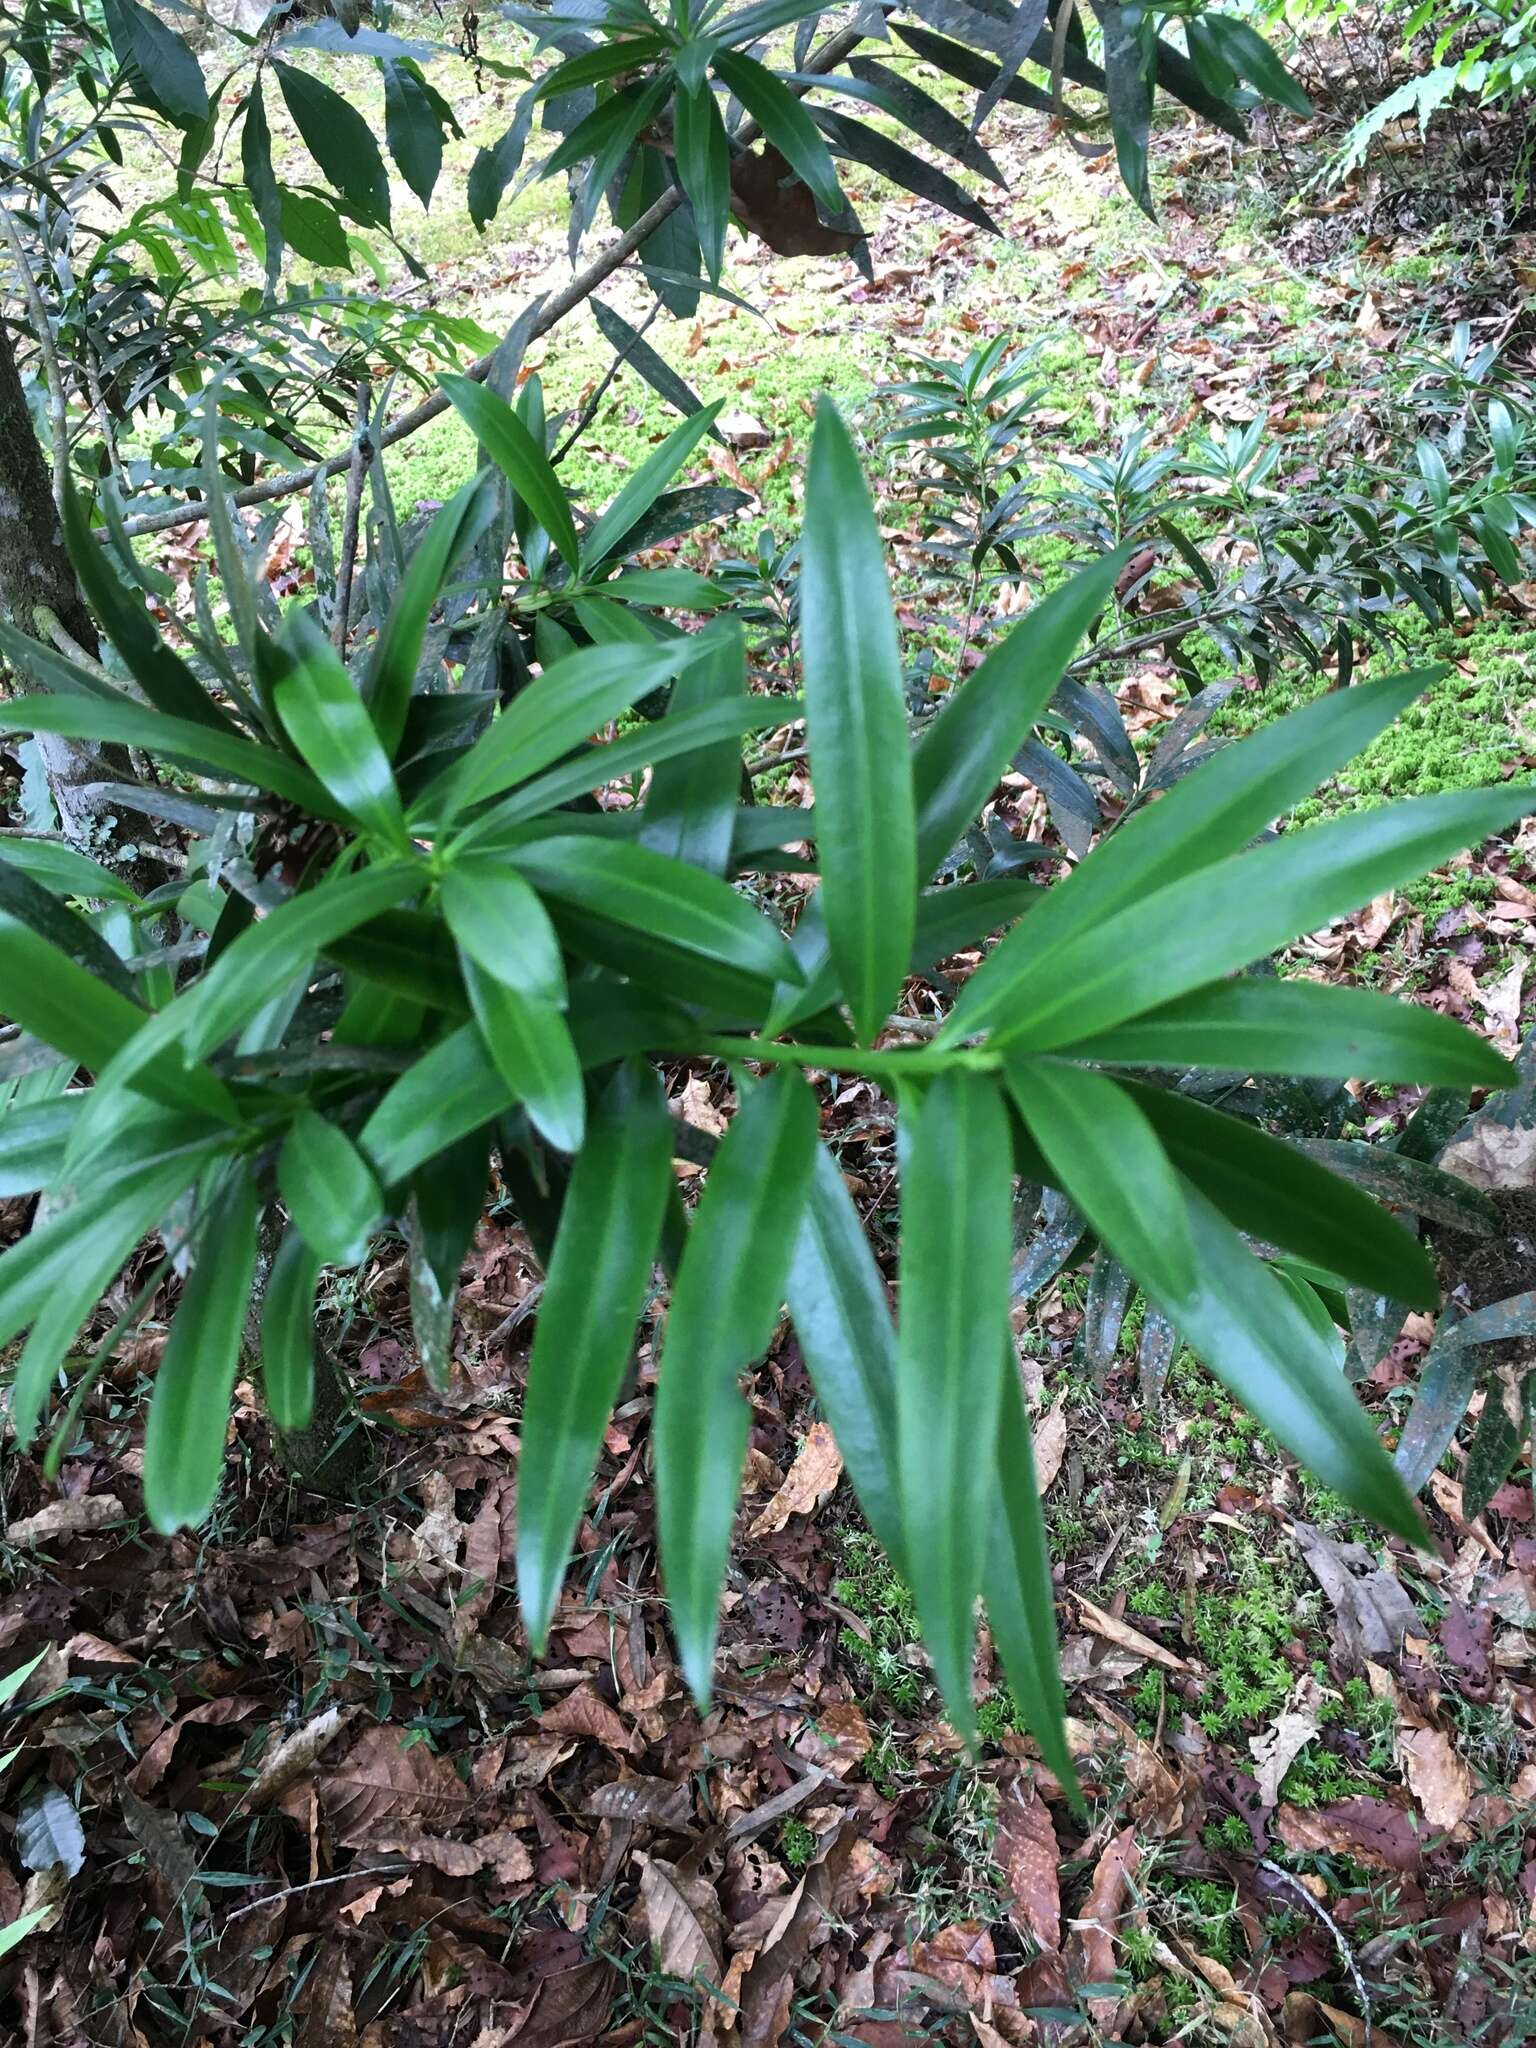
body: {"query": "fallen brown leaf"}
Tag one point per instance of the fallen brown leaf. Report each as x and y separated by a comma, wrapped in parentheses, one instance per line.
(1278, 1746)
(1027, 1855)
(73, 1517)
(1373, 1831)
(682, 1921)
(1094, 1931)
(811, 1478)
(294, 1755)
(1437, 1777)
(1113, 1630)
(383, 1778)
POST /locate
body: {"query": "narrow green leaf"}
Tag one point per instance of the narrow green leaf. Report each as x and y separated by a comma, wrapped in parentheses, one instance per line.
(199, 747)
(842, 1318)
(499, 921)
(328, 1189)
(158, 60)
(956, 1247)
(1247, 1328)
(1128, 87)
(1220, 918)
(1108, 1160)
(610, 1226)
(856, 713)
(392, 671)
(530, 1042)
(960, 758)
(261, 181)
(1244, 50)
(412, 128)
(518, 456)
(288, 1334)
(639, 494)
(446, 1203)
(339, 140)
(690, 808)
(189, 1408)
(724, 1306)
(32, 1141)
(1258, 1024)
(787, 125)
(663, 898)
(1209, 814)
(1016, 1584)
(324, 717)
(703, 158)
(1277, 1193)
(451, 1090)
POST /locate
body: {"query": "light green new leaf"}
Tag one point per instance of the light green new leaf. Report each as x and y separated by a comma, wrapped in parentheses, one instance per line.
(842, 1318)
(724, 1305)
(324, 717)
(288, 1334)
(1257, 1024)
(1275, 1192)
(1016, 1585)
(1203, 926)
(956, 1244)
(328, 1189)
(189, 1408)
(857, 718)
(530, 1042)
(1107, 1158)
(1213, 812)
(519, 458)
(610, 1226)
(498, 920)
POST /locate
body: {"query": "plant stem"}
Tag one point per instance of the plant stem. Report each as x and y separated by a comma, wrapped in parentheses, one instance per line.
(58, 410)
(361, 455)
(895, 1065)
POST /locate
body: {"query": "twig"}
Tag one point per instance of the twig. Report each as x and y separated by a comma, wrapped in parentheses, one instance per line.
(292, 1891)
(361, 456)
(46, 621)
(555, 309)
(1346, 1954)
(38, 312)
(588, 412)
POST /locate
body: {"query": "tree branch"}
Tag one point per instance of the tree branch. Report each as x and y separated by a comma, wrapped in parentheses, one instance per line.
(58, 410)
(556, 308)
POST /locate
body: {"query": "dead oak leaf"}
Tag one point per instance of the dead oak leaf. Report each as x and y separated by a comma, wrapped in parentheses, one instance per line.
(383, 1778)
(811, 1478)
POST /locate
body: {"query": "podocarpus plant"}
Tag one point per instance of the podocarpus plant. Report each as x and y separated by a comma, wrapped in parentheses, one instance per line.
(458, 956)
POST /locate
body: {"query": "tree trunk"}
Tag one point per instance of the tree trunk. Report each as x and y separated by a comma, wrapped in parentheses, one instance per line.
(37, 588)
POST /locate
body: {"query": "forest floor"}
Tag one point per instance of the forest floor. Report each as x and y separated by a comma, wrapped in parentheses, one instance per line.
(327, 1796)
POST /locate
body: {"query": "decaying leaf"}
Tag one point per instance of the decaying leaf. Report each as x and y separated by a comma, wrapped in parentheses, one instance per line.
(1120, 1633)
(1437, 1777)
(1373, 1610)
(156, 1760)
(48, 1831)
(1050, 1444)
(165, 1847)
(74, 1517)
(1027, 1855)
(1094, 1933)
(811, 1478)
(802, 1918)
(778, 207)
(1373, 1831)
(294, 1755)
(654, 1800)
(682, 1921)
(1278, 1746)
(385, 1778)
(1493, 1157)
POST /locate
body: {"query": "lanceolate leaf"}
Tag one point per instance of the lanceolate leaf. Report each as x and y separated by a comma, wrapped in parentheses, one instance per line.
(1247, 1328)
(189, 1409)
(1211, 813)
(519, 457)
(724, 1305)
(1108, 1159)
(392, 672)
(956, 1246)
(530, 1042)
(32, 1139)
(328, 1189)
(642, 490)
(703, 158)
(339, 140)
(164, 67)
(452, 1089)
(856, 712)
(1222, 917)
(843, 1321)
(1129, 85)
(787, 125)
(690, 810)
(1016, 1583)
(609, 1229)
(261, 180)
(412, 127)
(1275, 1192)
(324, 716)
(498, 920)
(288, 1334)
(1258, 1024)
